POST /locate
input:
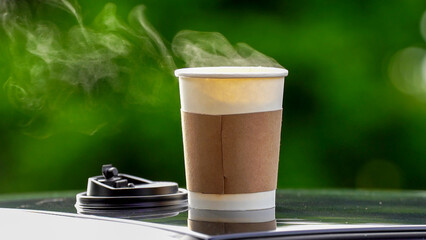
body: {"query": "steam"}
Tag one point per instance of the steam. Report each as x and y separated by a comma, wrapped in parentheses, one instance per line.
(200, 49)
(60, 76)
(83, 63)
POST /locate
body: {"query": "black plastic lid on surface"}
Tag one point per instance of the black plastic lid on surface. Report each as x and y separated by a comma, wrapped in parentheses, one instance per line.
(115, 192)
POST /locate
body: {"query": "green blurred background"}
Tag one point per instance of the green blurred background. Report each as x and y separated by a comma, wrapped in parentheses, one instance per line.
(354, 104)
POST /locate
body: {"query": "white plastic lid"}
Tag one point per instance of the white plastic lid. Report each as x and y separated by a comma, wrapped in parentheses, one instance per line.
(231, 72)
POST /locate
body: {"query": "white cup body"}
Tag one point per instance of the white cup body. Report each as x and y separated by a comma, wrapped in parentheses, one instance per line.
(231, 90)
(226, 91)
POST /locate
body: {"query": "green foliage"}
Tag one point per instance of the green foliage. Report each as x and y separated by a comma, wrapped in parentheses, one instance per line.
(346, 122)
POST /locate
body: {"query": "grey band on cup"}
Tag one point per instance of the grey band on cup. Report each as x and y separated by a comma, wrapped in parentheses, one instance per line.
(253, 216)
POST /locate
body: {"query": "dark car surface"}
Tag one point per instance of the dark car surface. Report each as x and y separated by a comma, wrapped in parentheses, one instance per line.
(300, 214)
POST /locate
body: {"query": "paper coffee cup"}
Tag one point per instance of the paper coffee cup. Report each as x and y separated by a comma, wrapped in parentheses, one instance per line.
(213, 222)
(231, 122)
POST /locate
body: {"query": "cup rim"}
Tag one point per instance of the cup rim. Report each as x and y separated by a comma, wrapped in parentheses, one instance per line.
(231, 72)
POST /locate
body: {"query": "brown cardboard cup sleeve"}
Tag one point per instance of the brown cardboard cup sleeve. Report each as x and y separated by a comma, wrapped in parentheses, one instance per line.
(231, 154)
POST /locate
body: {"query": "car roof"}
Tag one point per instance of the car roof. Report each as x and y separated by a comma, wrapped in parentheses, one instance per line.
(306, 213)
